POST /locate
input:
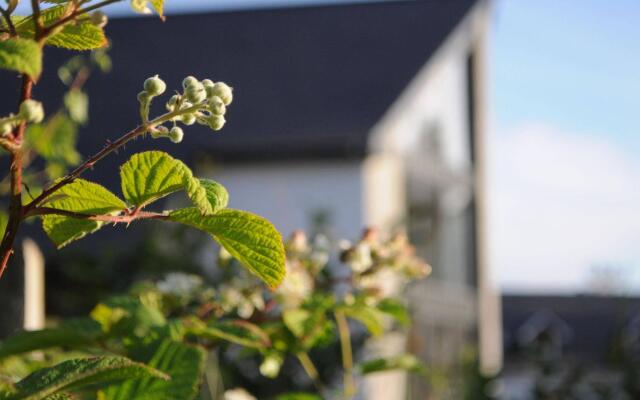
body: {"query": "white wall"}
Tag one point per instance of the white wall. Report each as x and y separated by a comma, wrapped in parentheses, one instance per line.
(288, 193)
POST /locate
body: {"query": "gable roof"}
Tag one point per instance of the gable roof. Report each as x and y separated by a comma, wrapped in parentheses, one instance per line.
(309, 81)
(596, 322)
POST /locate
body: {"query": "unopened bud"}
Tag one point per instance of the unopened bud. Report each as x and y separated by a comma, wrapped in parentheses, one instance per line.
(155, 86)
(171, 104)
(195, 93)
(189, 81)
(222, 90)
(216, 122)
(32, 111)
(216, 106)
(176, 134)
(188, 119)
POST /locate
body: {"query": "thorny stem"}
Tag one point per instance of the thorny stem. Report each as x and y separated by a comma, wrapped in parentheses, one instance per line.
(347, 355)
(115, 219)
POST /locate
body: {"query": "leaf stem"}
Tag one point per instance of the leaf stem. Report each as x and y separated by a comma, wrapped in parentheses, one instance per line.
(347, 355)
(310, 370)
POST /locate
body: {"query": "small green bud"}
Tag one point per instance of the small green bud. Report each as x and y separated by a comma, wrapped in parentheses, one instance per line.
(176, 134)
(189, 81)
(171, 104)
(32, 111)
(207, 83)
(216, 122)
(222, 90)
(5, 128)
(189, 119)
(99, 19)
(216, 106)
(195, 93)
(155, 86)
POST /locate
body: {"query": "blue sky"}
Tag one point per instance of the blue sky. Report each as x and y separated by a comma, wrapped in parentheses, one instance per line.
(564, 150)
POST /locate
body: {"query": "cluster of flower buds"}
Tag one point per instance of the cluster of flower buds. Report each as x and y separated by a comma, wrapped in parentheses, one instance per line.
(379, 266)
(203, 102)
(30, 111)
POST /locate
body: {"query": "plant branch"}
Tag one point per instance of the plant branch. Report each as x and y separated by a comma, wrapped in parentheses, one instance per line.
(108, 149)
(7, 17)
(15, 201)
(115, 219)
(76, 14)
(347, 354)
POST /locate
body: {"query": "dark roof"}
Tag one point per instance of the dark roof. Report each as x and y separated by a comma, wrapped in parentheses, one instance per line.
(596, 322)
(309, 81)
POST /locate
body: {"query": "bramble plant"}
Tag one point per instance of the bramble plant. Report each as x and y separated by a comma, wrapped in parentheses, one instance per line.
(71, 207)
(153, 342)
(170, 324)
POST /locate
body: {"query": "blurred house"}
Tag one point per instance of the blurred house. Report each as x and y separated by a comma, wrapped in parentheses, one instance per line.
(586, 343)
(344, 115)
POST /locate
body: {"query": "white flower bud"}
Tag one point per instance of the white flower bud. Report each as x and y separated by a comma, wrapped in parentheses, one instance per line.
(32, 111)
(189, 81)
(155, 86)
(270, 367)
(223, 91)
(99, 19)
(216, 106)
(176, 134)
(216, 122)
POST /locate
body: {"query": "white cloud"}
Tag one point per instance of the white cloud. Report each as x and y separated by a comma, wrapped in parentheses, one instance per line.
(560, 203)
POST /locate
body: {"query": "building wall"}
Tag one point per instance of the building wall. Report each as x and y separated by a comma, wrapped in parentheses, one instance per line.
(292, 193)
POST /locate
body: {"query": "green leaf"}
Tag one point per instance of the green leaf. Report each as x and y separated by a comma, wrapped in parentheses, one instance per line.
(251, 239)
(78, 373)
(21, 55)
(55, 140)
(237, 331)
(151, 175)
(74, 333)
(217, 194)
(4, 219)
(158, 5)
(77, 104)
(370, 317)
(82, 197)
(80, 35)
(395, 309)
(406, 362)
(310, 327)
(183, 363)
(126, 316)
